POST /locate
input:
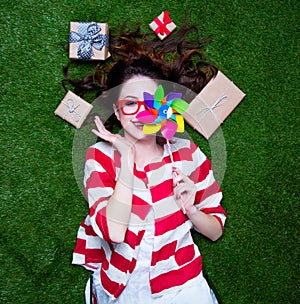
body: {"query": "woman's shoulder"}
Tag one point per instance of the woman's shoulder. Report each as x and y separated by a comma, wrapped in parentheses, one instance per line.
(103, 145)
(183, 143)
(188, 149)
(101, 148)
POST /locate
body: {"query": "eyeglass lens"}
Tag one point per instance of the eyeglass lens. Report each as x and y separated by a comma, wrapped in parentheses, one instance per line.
(130, 106)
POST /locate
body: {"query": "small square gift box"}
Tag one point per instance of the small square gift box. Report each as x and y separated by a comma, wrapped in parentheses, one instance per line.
(73, 109)
(162, 25)
(208, 110)
(88, 41)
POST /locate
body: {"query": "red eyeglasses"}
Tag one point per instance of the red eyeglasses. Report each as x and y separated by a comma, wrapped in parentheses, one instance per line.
(130, 107)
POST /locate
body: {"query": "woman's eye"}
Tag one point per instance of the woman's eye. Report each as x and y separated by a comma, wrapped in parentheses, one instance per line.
(130, 103)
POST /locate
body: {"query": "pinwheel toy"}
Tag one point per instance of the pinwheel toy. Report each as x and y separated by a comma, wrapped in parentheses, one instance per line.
(163, 113)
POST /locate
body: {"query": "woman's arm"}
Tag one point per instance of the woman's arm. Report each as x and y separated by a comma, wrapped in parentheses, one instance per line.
(206, 224)
(118, 209)
(185, 192)
(119, 205)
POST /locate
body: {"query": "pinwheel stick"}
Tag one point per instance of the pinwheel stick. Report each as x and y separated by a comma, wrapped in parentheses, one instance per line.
(173, 165)
(163, 113)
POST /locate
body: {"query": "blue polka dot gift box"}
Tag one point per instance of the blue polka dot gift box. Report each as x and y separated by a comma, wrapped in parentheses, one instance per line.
(73, 109)
(89, 41)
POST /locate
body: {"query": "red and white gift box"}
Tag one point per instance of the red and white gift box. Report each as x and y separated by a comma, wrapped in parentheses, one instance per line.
(73, 109)
(208, 110)
(163, 25)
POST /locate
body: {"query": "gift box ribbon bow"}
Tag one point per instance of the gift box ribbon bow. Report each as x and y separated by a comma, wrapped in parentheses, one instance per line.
(72, 106)
(88, 37)
(211, 108)
(162, 26)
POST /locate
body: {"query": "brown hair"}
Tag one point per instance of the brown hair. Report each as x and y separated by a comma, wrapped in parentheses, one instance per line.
(178, 58)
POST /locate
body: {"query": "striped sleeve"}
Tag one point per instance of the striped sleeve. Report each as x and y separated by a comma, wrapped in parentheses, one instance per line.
(99, 183)
(88, 251)
(209, 195)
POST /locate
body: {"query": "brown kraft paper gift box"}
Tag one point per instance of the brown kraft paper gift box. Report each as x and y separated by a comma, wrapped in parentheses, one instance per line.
(88, 41)
(208, 110)
(73, 109)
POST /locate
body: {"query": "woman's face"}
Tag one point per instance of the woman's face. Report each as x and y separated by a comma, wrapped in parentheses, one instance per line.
(132, 90)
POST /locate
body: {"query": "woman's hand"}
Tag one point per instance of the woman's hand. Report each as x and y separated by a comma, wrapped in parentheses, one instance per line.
(124, 147)
(184, 190)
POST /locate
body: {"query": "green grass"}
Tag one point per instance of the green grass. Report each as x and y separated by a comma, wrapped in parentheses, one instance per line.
(256, 45)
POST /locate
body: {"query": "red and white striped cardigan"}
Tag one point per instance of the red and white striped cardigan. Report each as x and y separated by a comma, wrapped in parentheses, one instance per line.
(176, 260)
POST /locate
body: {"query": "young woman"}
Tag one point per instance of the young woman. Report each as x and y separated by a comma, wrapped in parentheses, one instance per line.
(143, 204)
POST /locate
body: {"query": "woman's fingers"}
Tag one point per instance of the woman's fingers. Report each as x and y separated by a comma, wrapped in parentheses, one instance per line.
(184, 189)
(119, 142)
(100, 126)
(179, 177)
(102, 132)
(98, 122)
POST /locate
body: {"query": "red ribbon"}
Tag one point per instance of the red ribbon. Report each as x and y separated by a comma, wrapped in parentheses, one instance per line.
(162, 26)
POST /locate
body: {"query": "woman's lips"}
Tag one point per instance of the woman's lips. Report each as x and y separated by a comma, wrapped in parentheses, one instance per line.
(138, 124)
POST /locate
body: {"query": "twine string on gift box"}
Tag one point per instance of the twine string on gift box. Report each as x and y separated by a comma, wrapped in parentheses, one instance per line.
(212, 108)
(88, 37)
(162, 25)
(216, 103)
(71, 105)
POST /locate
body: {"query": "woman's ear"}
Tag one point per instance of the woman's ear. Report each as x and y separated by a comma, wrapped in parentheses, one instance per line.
(116, 110)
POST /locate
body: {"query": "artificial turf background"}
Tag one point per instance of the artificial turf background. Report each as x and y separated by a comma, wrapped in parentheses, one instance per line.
(256, 45)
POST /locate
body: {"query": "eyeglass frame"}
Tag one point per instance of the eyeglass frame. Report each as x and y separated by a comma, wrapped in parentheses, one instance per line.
(122, 101)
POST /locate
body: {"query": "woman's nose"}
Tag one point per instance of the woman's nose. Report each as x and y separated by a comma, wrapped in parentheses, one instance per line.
(143, 107)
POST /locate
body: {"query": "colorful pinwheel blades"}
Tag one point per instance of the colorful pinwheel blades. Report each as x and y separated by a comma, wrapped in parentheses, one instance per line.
(163, 113)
